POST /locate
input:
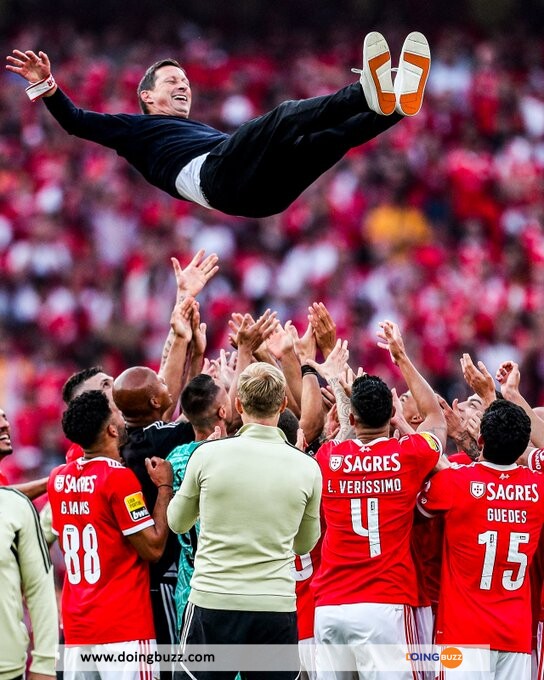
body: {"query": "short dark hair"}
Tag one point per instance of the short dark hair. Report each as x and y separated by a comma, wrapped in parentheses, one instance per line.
(150, 76)
(289, 424)
(197, 400)
(75, 380)
(371, 401)
(505, 429)
(85, 418)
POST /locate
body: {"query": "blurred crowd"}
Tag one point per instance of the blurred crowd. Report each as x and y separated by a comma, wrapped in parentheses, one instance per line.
(438, 224)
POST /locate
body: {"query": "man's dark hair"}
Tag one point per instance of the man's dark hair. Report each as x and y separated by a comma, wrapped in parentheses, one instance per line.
(506, 430)
(289, 424)
(85, 418)
(74, 381)
(198, 399)
(150, 76)
(371, 401)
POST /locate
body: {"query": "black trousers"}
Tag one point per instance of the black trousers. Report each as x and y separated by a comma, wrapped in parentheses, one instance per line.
(226, 627)
(165, 617)
(269, 161)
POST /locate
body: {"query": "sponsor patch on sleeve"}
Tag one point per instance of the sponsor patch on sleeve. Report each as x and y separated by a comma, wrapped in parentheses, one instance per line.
(136, 507)
(432, 441)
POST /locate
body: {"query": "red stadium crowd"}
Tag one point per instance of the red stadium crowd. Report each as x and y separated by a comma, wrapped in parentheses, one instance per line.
(438, 224)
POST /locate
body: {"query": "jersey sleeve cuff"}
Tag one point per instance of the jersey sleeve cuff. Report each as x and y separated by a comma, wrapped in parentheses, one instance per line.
(134, 530)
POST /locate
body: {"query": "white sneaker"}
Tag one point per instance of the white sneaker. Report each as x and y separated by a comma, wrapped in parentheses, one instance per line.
(376, 79)
(412, 74)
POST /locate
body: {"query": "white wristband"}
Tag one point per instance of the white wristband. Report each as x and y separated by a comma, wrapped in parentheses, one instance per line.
(41, 88)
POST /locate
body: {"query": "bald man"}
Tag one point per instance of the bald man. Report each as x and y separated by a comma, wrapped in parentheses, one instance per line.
(143, 398)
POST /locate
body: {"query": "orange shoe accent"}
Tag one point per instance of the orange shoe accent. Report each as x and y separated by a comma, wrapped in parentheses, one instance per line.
(411, 103)
(386, 100)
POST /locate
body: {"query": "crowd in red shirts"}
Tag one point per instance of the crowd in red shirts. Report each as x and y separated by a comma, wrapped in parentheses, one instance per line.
(437, 224)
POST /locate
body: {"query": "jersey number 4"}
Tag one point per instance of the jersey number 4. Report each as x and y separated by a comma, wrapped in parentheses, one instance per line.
(373, 531)
(489, 539)
(71, 543)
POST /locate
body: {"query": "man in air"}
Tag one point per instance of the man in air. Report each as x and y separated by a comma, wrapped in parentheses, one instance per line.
(268, 162)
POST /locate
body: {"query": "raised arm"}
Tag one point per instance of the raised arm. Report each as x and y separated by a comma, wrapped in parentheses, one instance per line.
(312, 416)
(189, 283)
(509, 377)
(172, 370)
(333, 370)
(479, 379)
(103, 128)
(390, 338)
(34, 68)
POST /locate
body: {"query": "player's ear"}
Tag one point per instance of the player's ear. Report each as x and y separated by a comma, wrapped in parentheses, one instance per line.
(284, 404)
(351, 419)
(112, 430)
(238, 405)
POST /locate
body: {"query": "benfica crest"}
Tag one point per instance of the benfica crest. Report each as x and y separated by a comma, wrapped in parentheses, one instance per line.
(59, 482)
(335, 462)
(477, 489)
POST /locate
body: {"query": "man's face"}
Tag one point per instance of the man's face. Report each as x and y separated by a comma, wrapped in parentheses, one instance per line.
(5, 439)
(118, 420)
(100, 381)
(470, 407)
(223, 400)
(171, 94)
(409, 407)
(162, 393)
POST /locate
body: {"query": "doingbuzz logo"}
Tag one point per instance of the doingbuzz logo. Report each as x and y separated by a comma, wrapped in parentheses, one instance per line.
(449, 657)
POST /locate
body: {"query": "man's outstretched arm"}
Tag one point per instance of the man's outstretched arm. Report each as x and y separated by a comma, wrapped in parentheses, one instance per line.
(102, 128)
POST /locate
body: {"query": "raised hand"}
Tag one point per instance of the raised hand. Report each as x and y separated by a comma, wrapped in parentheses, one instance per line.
(280, 342)
(390, 338)
(508, 376)
(192, 279)
(180, 320)
(323, 326)
(305, 346)
(29, 65)
(479, 379)
(251, 334)
(199, 330)
(335, 364)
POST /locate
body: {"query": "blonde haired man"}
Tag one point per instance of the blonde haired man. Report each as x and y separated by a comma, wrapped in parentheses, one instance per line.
(258, 502)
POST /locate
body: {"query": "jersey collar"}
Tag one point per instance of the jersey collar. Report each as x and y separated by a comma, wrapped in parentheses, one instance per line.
(494, 466)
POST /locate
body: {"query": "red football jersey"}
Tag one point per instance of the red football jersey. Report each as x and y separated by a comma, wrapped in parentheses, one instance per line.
(74, 452)
(304, 569)
(427, 540)
(493, 518)
(369, 496)
(95, 504)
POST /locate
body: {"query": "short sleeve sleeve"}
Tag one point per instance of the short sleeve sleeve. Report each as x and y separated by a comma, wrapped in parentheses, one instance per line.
(427, 448)
(128, 503)
(437, 494)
